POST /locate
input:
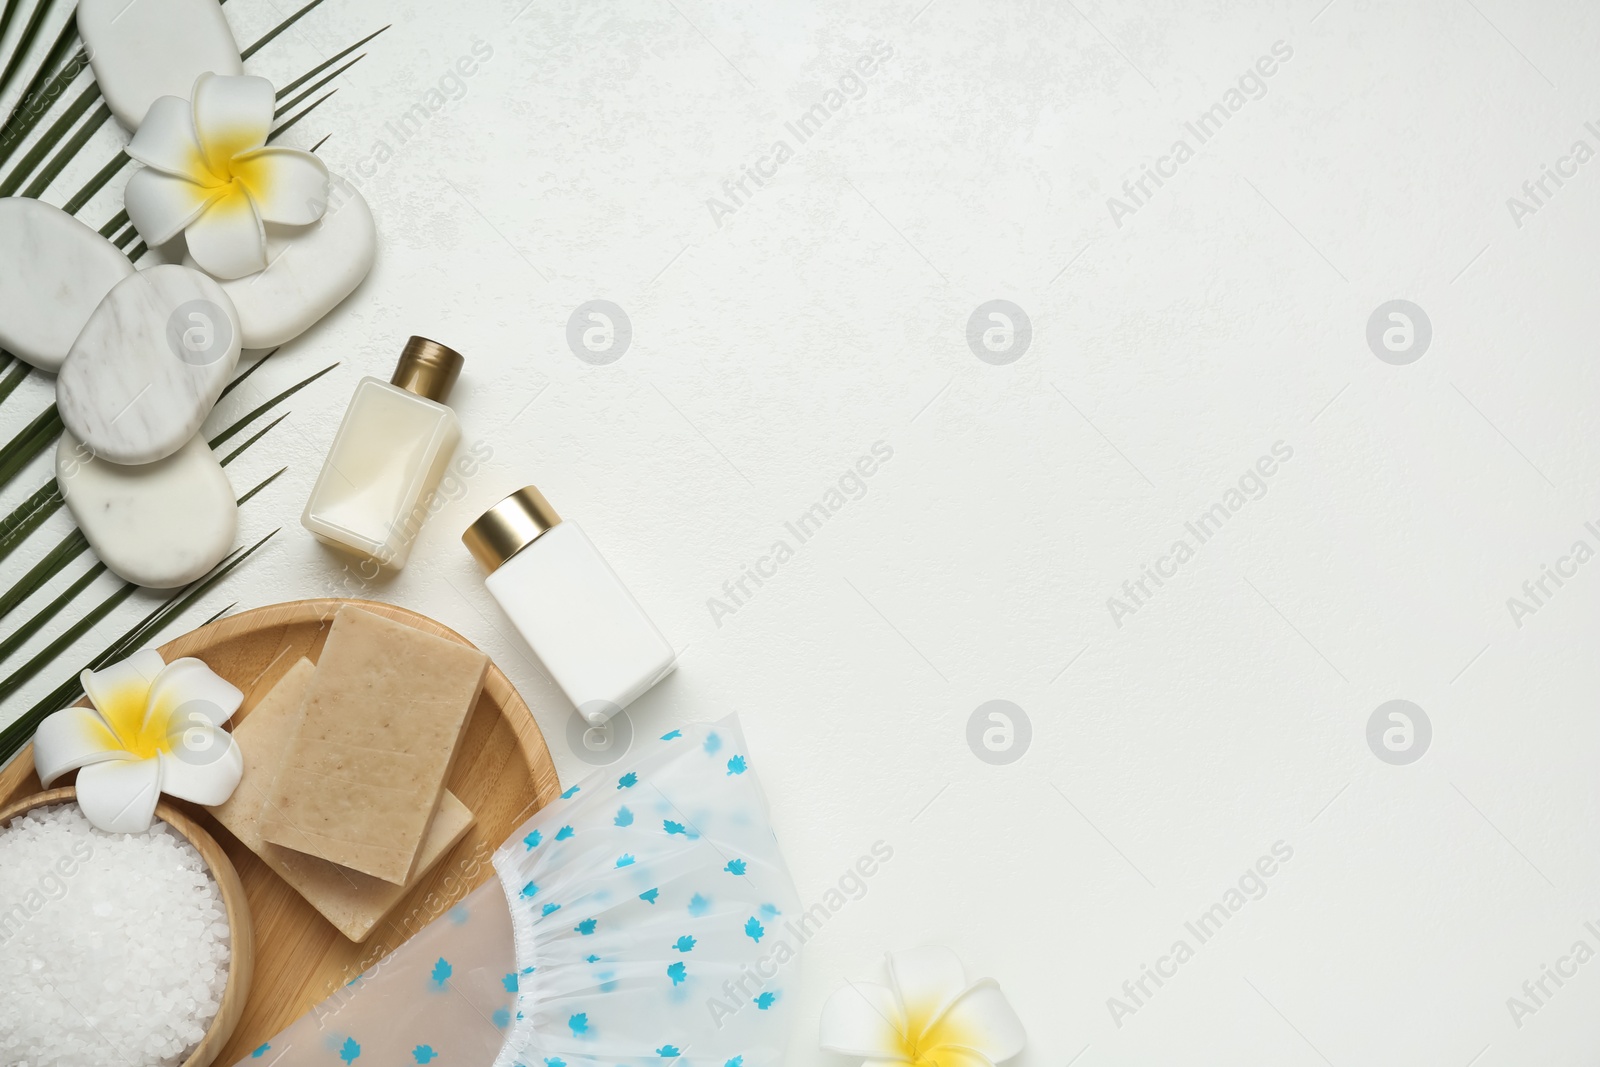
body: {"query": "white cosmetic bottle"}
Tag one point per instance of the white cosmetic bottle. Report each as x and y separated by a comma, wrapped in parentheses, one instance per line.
(386, 460)
(568, 604)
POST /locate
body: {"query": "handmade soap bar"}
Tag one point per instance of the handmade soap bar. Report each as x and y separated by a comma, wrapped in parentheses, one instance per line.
(352, 901)
(380, 726)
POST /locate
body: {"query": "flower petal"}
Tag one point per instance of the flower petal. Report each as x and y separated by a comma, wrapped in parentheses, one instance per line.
(287, 185)
(955, 1056)
(981, 1020)
(119, 796)
(232, 114)
(161, 205)
(202, 764)
(188, 689)
(927, 981)
(72, 738)
(166, 141)
(862, 1020)
(227, 240)
(121, 691)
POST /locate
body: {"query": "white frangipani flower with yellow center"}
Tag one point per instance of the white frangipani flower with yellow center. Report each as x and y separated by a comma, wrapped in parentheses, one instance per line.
(209, 174)
(927, 1016)
(155, 728)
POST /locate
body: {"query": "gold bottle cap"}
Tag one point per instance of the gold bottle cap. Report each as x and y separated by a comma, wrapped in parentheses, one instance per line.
(509, 527)
(427, 368)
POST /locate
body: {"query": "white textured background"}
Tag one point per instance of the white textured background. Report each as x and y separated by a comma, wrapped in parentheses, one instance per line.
(829, 311)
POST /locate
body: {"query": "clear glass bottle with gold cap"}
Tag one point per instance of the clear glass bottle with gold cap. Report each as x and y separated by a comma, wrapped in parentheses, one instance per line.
(388, 456)
(568, 604)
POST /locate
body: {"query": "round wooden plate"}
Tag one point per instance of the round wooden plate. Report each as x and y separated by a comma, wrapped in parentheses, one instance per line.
(503, 773)
(241, 964)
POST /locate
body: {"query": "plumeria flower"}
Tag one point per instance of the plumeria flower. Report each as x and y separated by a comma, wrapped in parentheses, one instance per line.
(154, 728)
(927, 1016)
(209, 174)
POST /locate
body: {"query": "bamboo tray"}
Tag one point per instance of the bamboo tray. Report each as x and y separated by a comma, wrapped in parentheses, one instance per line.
(503, 773)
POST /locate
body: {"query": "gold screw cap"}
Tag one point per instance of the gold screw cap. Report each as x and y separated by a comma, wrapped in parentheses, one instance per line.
(427, 368)
(509, 527)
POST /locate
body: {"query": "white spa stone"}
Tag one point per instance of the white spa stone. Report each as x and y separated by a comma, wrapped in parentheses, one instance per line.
(159, 525)
(154, 48)
(310, 269)
(149, 364)
(53, 271)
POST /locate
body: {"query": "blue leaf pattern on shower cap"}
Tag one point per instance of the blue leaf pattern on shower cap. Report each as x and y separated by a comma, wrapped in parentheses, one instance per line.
(703, 819)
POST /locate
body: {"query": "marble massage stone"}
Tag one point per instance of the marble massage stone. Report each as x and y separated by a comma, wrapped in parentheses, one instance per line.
(53, 272)
(152, 48)
(310, 269)
(159, 525)
(149, 364)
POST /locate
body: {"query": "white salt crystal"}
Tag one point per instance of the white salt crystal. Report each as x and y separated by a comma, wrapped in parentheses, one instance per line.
(113, 947)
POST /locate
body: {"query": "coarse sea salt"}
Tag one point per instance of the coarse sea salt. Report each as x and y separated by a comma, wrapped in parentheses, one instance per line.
(113, 947)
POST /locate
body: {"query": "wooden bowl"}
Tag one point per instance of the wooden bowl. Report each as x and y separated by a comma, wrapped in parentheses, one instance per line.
(503, 772)
(241, 943)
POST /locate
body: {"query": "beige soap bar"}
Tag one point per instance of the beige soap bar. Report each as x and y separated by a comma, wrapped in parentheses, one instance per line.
(379, 728)
(353, 902)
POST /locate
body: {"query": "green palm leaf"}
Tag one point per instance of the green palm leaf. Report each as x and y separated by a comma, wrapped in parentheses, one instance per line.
(14, 736)
(74, 545)
(287, 126)
(326, 63)
(30, 111)
(47, 500)
(29, 165)
(59, 161)
(70, 548)
(7, 15)
(28, 516)
(31, 440)
(29, 33)
(272, 34)
(15, 371)
(65, 39)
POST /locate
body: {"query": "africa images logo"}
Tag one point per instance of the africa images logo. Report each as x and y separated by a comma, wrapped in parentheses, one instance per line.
(851, 85)
(1251, 885)
(1250, 85)
(1252, 485)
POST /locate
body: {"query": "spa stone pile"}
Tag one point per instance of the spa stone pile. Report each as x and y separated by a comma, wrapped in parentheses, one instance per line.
(113, 947)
